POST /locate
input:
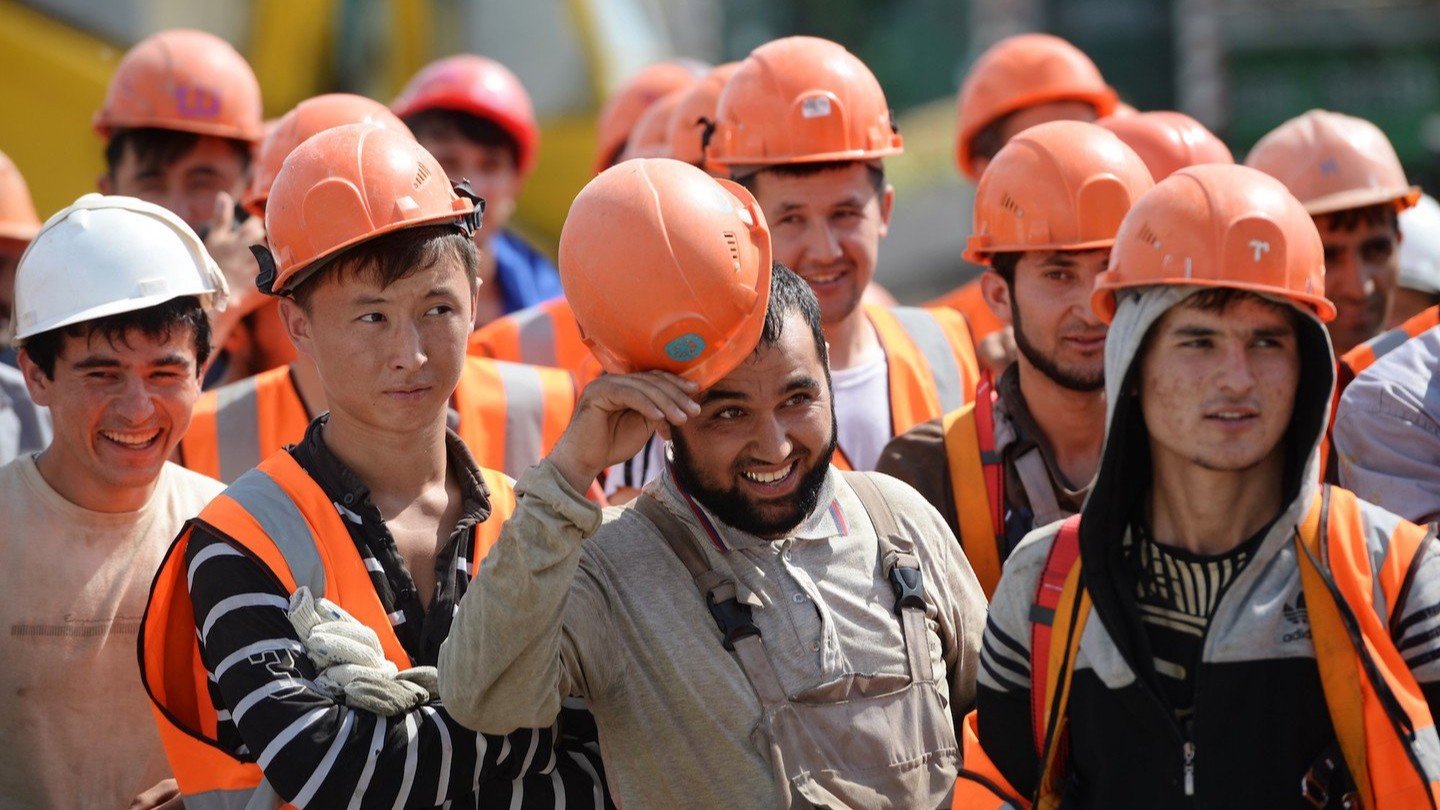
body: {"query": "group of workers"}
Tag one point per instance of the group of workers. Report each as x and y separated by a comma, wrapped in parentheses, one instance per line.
(394, 512)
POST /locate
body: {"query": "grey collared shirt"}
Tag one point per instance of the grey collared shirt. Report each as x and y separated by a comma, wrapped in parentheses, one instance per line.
(1387, 431)
(24, 426)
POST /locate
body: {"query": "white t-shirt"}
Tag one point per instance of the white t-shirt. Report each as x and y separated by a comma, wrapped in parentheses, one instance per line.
(77, 730)
(862, 410)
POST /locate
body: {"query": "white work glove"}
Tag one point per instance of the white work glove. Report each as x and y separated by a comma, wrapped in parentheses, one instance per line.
(352, 663)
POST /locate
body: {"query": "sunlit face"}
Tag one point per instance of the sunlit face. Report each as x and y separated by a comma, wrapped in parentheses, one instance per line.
(118, 407)
(827, 227)
(1217, 388)
(491, 170)
(758, 452)
(1049, 306)
(188, 186)
(388, 357)
(1362, 268)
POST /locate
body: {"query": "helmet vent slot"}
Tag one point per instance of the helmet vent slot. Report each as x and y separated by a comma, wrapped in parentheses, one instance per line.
(732, 241)
(1008, 203)
(1148, 237)
(421, 175)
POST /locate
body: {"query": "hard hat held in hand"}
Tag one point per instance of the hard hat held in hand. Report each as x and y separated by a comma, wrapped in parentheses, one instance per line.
(694, 117)
(344, 186)
(480, 87)
(1168, 141)
(104, 255)
(18, 221)
(623, 109)
(310, 117)
(802, 100)
(1218, 226)
(183, 80)
(666, 269)
(1023, 71)
(1332, 162)
(1062, 185)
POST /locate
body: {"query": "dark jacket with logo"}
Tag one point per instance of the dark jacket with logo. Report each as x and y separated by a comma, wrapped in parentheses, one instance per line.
(1259, 718)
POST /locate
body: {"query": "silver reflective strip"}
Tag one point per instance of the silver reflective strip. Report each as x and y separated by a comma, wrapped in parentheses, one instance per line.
(524, 417)
(237, 428)
(537, 337)
(224, 800)
(1387, 342)
(282, 522)
(1427, 751)
(930, 339)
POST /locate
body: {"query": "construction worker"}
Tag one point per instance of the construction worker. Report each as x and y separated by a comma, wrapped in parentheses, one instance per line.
(1419, 286)
(111, 321)
(371, 525)
(475, 117)
(804, 125)
(1027, 459)
(1016, 83)
(800, 563)
(180, 118)
(1167, 141)
(1346, 173)
(24, 426)
(624, 109)
(509, 415)
(1215, 628)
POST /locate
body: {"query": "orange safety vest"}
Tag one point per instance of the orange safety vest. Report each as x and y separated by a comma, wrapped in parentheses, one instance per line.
(1364, 356)
(969, 300)
(282, 516)
(510, 416)
(546, 334)
(931, 365)
(1381, 720)
(969, 439)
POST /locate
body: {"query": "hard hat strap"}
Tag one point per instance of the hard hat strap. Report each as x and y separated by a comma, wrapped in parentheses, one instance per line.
(471, 222)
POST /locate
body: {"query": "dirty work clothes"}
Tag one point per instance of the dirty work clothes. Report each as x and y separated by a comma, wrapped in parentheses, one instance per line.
(525, 275)
(24, 426)
(571, 602)
(77, 729)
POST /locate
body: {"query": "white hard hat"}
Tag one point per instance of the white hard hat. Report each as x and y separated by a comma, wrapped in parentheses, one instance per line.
(104, 255)
(1420, 246)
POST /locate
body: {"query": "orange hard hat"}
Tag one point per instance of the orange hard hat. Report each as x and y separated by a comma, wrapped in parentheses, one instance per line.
(187, 81)
(1061, 185)
(480, 87)
(18, 221)
(1332, 162)
(1168, 141)
(651, 138)
(623, 109)
(1023, 71)
(309, 117)
(1218, 225)
(686, 286)
(344, 186)
(802, 100)
(694, 115)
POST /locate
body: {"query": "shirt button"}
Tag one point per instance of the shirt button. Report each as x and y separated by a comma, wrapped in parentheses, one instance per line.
(815, 647)
(406, 594)
(799, 597)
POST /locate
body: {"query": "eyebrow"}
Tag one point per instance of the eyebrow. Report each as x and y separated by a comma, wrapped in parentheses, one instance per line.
(110, 362)
(802, 383)
(1059, 260)
(1206, 331)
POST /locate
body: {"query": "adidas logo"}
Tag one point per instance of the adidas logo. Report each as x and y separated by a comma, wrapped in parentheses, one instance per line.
(1296, 614)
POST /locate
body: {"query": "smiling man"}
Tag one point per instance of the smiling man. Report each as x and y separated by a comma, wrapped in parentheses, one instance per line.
(1209, 630)
(840, 630)
(1028, 457)
(380, 509)
(110, 312)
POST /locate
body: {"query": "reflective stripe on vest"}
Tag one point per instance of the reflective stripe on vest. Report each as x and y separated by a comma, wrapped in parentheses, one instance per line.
(537, 336)
(910, 337)
(1355, 361)
(511, 414)
(524, 417)
(262, 796)
(930, 339)
(237, 427)
(280, 518)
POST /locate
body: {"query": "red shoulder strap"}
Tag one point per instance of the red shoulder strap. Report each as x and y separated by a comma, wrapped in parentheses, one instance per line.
(1063, 556)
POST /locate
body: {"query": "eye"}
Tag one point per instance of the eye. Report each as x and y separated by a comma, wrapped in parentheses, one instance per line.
(730, 413)
(1198, 343)
(371, 317)
(790, 219)
(1378, 250)
(440, 309)
(1059, 275)
(799, 399)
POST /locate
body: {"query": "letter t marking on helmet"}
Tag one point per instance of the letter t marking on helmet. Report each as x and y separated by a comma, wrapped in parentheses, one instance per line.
(1260, 247)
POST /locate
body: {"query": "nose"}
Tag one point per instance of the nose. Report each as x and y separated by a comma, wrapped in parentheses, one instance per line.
(134, 403)
(407, 349)
(1346, 277)
(822, 244)
(771, 442)
(1235, 376)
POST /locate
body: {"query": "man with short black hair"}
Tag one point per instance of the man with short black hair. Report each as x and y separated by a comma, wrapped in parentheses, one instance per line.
(111, 307)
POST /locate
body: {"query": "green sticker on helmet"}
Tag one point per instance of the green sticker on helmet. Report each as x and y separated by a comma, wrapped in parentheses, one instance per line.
(685, 348)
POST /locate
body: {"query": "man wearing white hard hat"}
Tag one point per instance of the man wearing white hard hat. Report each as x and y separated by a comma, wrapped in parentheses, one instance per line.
(111, 319)
(1419, 287)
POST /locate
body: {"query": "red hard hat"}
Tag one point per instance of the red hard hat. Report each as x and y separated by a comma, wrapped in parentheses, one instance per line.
(1168, 141)
(349, 184)
(480, 87)
(18, 221)
(187, 81)
(311, 116)
(1331, 162)
(623, 109)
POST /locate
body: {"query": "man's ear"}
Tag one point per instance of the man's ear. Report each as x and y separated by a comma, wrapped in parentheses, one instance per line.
(997, 296)
(105, 183)
(39, 385)
(887, 207)
(297, 326)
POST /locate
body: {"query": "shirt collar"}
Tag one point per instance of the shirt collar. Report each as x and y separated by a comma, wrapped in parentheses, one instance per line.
(827, 520)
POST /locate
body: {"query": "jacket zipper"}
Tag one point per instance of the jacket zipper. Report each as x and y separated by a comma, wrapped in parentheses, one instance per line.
(1189, 750)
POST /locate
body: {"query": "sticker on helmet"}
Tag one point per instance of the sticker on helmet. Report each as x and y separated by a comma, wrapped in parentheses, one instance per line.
(685, 348)
(815, 107)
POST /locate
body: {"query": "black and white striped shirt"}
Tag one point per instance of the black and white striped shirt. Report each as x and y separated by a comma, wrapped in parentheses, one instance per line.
(317, 752)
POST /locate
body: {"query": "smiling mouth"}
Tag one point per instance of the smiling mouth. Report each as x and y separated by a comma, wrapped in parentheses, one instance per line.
(1232, 417)
(770, 478)
(132, 440)
(826, 278)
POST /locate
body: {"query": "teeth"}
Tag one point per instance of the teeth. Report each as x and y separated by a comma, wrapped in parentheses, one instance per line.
(769, 478)
(1231, 415)
(130, 439)
(825, 279)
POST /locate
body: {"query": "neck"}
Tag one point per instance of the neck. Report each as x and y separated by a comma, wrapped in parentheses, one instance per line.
(397, 466)
(69, 481)
(851, 340)
(1210, 512)
(1073, 422)
(308, 385)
